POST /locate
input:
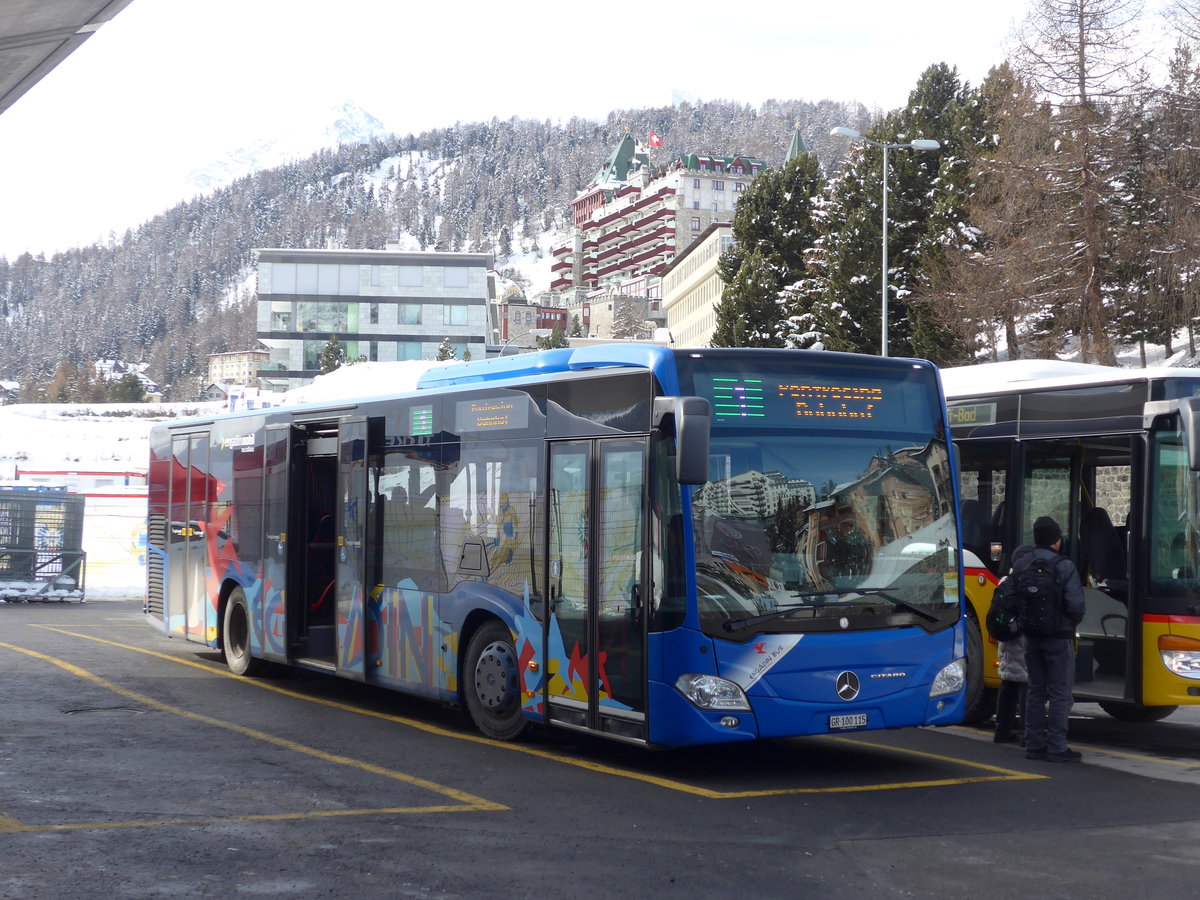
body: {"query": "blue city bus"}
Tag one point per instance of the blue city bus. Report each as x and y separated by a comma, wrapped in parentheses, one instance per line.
(663, 547)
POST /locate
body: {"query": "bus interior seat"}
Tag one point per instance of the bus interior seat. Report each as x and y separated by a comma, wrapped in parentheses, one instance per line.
(1104, 554)
(975, 528)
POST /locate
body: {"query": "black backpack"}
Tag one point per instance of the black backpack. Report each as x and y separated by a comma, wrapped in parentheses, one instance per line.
(1003, 622)
(1039, 597)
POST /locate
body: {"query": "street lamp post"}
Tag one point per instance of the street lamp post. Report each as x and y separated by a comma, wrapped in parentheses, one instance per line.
(919, 144)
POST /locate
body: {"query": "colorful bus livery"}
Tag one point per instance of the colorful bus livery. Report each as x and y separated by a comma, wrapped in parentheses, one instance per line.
(662, 547)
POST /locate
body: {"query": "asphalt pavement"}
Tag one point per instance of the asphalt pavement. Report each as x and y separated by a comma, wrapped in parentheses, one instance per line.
(132, 765)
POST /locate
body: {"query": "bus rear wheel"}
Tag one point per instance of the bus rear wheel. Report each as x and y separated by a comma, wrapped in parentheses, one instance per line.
(1131, 712)
(235, 638)
(492, 683)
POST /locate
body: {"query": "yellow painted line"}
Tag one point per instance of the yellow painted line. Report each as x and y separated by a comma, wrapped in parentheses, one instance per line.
(1122, 754)
(1105, 751)
(466, 801)
(12, 826)
(998, 773)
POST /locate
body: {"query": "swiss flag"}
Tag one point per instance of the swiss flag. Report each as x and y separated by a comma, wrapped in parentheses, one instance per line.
(655, 140)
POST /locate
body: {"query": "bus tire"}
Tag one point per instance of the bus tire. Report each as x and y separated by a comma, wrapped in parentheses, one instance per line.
(235, 636)
(1131, 712)
(492, 682)
(981, 702)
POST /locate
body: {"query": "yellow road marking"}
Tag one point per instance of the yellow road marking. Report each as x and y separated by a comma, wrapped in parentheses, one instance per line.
(998, 773)
(466, 802)
(1105, 751)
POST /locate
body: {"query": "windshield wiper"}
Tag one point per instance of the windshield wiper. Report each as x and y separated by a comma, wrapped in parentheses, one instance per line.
(903, 604)
(751, 621)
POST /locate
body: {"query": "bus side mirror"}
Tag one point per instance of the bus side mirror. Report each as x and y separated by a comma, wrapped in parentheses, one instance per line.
(1189, 419)
(692, 419)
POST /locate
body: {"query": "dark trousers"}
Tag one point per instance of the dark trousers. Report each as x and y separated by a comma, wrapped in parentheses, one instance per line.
(1051, 664)
(1010, 700)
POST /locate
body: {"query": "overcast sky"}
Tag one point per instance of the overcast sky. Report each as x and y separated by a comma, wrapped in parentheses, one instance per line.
(106, 140)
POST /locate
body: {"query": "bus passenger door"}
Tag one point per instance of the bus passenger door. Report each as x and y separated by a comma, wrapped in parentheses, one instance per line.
(276, 485)
(597, 630)
(187, 593)
(351, 546)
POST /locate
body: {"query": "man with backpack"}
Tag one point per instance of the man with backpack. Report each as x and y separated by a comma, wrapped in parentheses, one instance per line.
(1045, 587)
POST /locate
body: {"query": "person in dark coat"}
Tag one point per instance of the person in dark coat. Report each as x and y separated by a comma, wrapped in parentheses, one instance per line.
(1050, 661)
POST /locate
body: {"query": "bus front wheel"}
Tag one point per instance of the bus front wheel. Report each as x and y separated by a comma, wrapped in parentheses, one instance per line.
(236, 635)
(492, 683)
(981, 701)
(1131, 712)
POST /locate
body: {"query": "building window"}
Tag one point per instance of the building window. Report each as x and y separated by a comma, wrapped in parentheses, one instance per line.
(454, 277)
(374, 314)
(409, 314)
(408, 350)
(327, 317)
(718, 185)
(695, 182)
(717, 167)
(695, 204)
(695, 223)
(738, 187)
(454, 315)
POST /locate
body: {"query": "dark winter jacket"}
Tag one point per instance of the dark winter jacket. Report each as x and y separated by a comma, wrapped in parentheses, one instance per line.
(1068, 580)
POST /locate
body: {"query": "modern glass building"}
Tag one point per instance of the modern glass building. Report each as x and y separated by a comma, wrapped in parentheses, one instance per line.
(381, 305)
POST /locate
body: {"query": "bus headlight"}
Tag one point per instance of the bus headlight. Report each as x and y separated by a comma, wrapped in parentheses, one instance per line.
(952, 678)
(1180, 655)
(711, 692)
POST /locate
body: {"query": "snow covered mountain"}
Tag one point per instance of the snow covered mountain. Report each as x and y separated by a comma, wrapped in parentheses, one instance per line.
(344, 123)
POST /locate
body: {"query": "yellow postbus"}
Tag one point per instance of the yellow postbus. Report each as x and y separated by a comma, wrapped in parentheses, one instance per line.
(1113, 454)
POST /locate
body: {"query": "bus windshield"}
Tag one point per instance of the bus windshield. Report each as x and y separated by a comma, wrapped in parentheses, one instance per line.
(829, 505)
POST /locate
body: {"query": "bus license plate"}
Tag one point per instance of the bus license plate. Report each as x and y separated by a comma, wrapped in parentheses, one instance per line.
(854, 720)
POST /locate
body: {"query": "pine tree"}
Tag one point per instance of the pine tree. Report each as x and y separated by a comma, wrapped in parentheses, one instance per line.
(127, 389)
(773, 219)
(749, 312)
(332, 357)
(446, 351)
(629, 323)
(556, 339)
(923, 203)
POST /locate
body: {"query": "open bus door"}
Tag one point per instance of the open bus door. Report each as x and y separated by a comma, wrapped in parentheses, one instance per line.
(597, 626)
(351, 546)
(276, 484)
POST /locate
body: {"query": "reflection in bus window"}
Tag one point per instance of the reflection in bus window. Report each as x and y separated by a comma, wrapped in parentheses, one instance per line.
(824, 529)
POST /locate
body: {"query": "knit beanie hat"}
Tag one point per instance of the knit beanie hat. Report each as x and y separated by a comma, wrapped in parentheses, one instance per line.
(1046, 531)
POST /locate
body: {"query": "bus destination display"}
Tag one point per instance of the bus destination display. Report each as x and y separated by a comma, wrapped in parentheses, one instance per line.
(756, 400)
(972, 414)
(492, 414)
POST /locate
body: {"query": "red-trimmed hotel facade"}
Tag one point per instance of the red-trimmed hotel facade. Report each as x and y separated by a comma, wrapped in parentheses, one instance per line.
(634, 217)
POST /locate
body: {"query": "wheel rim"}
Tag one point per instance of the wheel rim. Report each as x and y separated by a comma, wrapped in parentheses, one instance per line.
(496, 678)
